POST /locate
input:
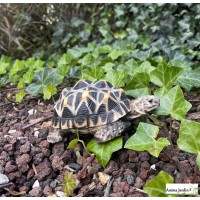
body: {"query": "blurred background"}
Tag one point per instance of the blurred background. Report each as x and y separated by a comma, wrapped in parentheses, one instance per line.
(48, 30)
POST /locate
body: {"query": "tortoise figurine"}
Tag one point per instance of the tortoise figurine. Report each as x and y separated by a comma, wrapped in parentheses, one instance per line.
(97, 108)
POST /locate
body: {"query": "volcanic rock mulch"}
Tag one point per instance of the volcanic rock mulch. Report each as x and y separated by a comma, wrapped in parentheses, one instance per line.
(30, 166)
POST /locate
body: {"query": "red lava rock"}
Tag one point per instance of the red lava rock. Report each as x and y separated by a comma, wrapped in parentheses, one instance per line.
(25, 148)
(131, 153)
(4, 156)
(6, 129)
(133, 159)
(11, 140)
(25, 158)
(125, 187)
(24, 168)
(169, 168)
(14, 175)
(30, 174)
(46, 152)
(143, 174)
(186, 165)
(116, 186)
(32, 139)
(163, 157)
(86, 180)
(35, 150)
(139, 183)
(23, 188)
(18, 134)
(57, 163)
(96, 163)
(43, 133)
(112, 166)
(123, 156)
(38, 158)
(1, 169)
(130, 179)
(118, 194)
(192, 161)
(84, 190)
(58, 149)
(143, 156)
(145, 165)
(2, 163)
(179, 178)
(44, 144)
(43, 169)
(36, 192)
(137, 194)
(59, 188)
(129, 172)
(47, 191)
(10, 167)
(130, 165)
(117, 173)
(21, 180)
(92, 170)
(160, 164)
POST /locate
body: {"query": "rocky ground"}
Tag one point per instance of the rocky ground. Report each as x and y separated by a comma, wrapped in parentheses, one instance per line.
(30, 166)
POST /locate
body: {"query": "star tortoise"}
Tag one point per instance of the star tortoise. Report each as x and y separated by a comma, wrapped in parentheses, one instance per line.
(98, 108)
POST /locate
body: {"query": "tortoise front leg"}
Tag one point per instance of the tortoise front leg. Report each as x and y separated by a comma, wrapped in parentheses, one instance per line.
(111, 131)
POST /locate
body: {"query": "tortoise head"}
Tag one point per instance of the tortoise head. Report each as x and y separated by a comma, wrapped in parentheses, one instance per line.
(143, 105)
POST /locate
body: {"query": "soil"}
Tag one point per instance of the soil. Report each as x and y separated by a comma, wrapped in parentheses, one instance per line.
(33, 167)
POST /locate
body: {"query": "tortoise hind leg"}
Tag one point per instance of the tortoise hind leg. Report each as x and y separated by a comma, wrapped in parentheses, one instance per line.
(111, 131)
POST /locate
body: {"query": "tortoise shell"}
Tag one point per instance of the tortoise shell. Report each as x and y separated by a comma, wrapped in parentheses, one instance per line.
(89, 104)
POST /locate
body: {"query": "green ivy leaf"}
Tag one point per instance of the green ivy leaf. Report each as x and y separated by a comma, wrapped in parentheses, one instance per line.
(49, 91)
(47, 76)
(173, 103)
(189, 79)
(34, 89)
(108, 66)
(144, 140)
(103, 151)
(38, 65)
(116, 78)
(93, 73)
(5, 59)
(72, 143)
(18, 66)
(75, 53)
(69, 183)
(139, 83)
(29, 62)
(138, 92)
(180, 63)
(20, 95)
(21, 84)
(63, 69)
(65, 59)
(145, 67)
(165, 76)
(3, 67)
(198, 160)
(43, 79)
(156, 187)
(87, 59)
(4, 80)
(189, 134)
(101, 50)
(114, 54)
(28, 76)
